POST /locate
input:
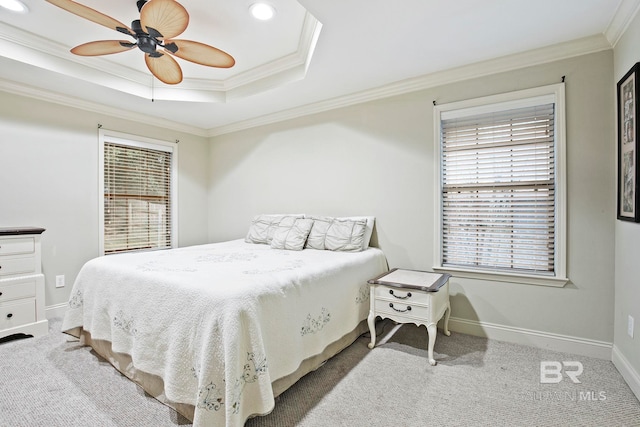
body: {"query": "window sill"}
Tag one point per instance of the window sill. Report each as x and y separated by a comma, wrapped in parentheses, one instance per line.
(524, 279)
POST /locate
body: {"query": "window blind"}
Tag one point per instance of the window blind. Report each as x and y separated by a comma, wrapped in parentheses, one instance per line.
(137, 202)
(498, 190)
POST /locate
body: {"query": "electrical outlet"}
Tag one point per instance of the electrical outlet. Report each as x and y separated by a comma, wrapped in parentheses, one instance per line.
(60, 281)
(630, 326)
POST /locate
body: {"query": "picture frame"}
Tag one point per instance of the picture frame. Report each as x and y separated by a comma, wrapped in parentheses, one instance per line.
(628, 92)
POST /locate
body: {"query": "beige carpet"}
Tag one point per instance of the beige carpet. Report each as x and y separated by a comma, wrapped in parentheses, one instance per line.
(477, 382)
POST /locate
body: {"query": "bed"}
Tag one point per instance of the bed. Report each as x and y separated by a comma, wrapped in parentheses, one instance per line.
(217, 331)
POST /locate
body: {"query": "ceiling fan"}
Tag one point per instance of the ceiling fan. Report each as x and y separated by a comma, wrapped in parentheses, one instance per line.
(160, 21)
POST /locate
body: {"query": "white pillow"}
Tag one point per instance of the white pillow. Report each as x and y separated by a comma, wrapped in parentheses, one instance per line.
(371, 220)
(337, 234)
(291, 233)
(263, 226)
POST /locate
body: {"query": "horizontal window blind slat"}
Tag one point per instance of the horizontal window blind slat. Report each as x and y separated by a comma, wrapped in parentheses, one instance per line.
(514, 268)
(495, 258)
(529, 185)
(542, 126)
(499, 158)
(474, 144)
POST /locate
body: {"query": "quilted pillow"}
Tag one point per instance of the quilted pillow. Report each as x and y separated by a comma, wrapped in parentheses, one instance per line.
(263, 226)
(291, 233)
(371, 220)
(336, 234)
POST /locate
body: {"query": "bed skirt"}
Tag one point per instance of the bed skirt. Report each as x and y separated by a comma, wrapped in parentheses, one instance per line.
(154, 385)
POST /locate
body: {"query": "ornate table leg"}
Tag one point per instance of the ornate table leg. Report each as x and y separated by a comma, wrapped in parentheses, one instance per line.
(371, 320)
(432, 329)
(446, 320)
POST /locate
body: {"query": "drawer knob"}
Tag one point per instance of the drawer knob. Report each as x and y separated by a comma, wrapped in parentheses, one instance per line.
(400, 297)
(399, 310)
(0, 294)
(9, 316)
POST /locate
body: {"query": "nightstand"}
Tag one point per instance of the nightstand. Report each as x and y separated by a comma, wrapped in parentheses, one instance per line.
(410, 296)
(22, 309)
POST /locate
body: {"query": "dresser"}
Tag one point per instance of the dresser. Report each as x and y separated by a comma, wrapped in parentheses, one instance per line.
(410, 296)
(22, 309)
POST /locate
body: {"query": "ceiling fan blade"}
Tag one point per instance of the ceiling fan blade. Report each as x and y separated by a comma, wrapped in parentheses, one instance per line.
(167, 17)
(165, 68)
(200, 53)
(92, 15)
(102, 47)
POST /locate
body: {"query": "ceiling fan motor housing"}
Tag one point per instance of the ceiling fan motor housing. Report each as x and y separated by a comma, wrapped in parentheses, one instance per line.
(146, 42)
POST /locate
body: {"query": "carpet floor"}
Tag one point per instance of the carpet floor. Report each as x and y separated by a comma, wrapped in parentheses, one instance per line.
(52, 381)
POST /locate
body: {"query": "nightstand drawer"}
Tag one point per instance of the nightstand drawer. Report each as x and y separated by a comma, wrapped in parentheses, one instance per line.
(17, 314)
(401, 295)
(24, 289)
(21, 265)
(402, 309)
(23, 245)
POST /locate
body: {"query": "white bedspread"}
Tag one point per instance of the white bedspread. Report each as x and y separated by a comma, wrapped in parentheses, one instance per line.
(219, 322)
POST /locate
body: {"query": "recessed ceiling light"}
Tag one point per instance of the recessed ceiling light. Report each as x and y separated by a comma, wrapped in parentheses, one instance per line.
(261, 11)
(14, 6)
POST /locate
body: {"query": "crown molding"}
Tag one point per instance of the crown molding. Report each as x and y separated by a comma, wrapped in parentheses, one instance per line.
(624, 14)
(520, 60)
(68, 101)
(529, 58)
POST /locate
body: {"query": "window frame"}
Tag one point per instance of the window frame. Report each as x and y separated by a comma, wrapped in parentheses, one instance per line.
(108, 136)
(535, 96)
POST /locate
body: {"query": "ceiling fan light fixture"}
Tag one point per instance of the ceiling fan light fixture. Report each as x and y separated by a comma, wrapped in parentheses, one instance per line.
(14, 6)
(262, 11)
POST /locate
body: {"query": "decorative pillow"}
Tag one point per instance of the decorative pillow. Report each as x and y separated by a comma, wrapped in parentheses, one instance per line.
(371, 220)
(263, 226)
(291, 233)
(337, 234)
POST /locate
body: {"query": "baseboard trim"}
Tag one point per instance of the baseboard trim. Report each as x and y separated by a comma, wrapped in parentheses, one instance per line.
(551, 341)
(630, 375)
(57, 310)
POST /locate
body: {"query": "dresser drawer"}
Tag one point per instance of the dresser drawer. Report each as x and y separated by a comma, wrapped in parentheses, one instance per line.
(402, 295)
(22, 245)
(24, 289)
(21, 265)
(405, 309)
(17, 313)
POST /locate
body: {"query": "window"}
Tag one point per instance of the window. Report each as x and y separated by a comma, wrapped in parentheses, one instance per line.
(138, 193)
(501, 193)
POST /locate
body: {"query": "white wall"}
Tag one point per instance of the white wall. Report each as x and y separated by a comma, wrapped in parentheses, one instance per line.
(627, 250)
(377, 158)
(49, 178)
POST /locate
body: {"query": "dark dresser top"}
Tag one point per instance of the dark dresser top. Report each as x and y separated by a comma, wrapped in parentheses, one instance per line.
(16, 231)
